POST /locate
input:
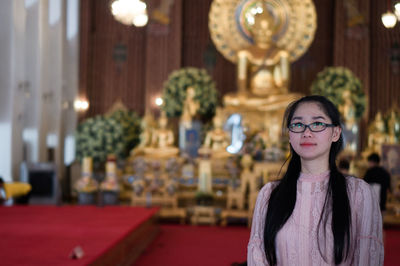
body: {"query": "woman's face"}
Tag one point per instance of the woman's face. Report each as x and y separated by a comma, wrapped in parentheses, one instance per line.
(313, 145)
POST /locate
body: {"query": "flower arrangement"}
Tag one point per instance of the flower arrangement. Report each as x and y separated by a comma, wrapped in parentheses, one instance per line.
(100, 136)
(174, 92)
(335, 82)
(131, 129)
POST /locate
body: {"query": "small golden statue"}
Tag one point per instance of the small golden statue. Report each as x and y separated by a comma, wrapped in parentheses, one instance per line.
(162, 140)
(348, 110)
(377, 134)
(217, 140)
(393, 127)
(147, 127)
(190, 107)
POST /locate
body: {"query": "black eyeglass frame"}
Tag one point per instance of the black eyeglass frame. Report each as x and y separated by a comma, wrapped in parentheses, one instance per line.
(309, 127)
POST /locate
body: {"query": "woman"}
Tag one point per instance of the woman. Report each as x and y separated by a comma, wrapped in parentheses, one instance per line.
(314, 215)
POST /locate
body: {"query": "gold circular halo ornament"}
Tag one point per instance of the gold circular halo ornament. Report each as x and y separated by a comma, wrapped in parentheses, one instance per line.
(230, 20)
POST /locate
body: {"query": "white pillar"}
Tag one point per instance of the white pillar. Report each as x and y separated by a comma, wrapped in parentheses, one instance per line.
(33, 82)
(38, 75)
(5, 89)
(71, 76)
(18, 84)
(12, 74)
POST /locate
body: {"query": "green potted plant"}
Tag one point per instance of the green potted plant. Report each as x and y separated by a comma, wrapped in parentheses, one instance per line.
(131, 129)
(99, 136)
(344, 89)
(339, 83)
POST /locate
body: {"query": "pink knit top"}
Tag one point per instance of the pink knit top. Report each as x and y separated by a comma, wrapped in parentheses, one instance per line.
(297, 241)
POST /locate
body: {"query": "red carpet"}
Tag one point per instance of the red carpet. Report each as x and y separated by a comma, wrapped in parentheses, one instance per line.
(392, 247)
(194, 245)
(37, 235)
(183, 245)
(46, 235)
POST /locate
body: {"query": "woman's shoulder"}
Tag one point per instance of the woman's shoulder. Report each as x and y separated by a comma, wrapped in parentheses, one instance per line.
(265, 191)
(268, 187)
(364, 200)
(353, 180)
(357, 186)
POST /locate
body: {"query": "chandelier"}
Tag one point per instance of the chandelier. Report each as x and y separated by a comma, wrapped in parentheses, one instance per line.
(130, 12)
(389, 19)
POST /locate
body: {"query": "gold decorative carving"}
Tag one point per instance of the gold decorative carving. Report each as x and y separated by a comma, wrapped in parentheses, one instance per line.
(295, 20)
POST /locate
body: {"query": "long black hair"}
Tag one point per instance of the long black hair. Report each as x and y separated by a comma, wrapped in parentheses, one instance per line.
(283, 197)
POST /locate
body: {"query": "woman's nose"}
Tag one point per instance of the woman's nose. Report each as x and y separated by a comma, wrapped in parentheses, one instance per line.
(307, 132)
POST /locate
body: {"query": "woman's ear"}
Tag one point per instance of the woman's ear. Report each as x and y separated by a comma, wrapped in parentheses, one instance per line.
(336, 133)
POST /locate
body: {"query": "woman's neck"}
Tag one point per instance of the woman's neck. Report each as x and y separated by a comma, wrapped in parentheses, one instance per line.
(314, 167)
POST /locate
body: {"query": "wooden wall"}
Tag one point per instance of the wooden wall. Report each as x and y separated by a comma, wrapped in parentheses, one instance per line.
(319, 54)
(112, 60)
(131, 64)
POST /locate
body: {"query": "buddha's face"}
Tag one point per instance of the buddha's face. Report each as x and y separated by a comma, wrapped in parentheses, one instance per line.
(163, 122)
(263, 28)
(143, 124)
(392, 115)
(217, 122)
(379, 117)
(380, 124)
(190, 92)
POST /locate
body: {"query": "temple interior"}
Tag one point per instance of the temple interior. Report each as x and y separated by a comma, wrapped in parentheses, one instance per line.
(178, 104)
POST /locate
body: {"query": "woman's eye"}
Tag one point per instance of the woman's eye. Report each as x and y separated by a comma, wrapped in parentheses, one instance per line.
(298, 125)
(316, 124)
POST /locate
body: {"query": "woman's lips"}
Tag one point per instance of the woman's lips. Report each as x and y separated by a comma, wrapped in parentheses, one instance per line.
(307, 144)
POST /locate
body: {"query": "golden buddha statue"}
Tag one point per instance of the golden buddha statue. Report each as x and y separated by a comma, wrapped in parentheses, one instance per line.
(145, 138)
(393, 127)
(348, 110)
(262, 68)
(217, 140)
(190, 107)
(377, 134)
(262, 38)
(162, 140)
(350, 130)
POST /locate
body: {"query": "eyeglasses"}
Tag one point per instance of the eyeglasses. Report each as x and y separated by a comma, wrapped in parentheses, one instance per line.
(314, 127)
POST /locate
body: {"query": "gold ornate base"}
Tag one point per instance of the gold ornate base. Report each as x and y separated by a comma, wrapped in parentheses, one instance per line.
(204, 215)
(236, 214)
(260, 113)
(160, 153)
